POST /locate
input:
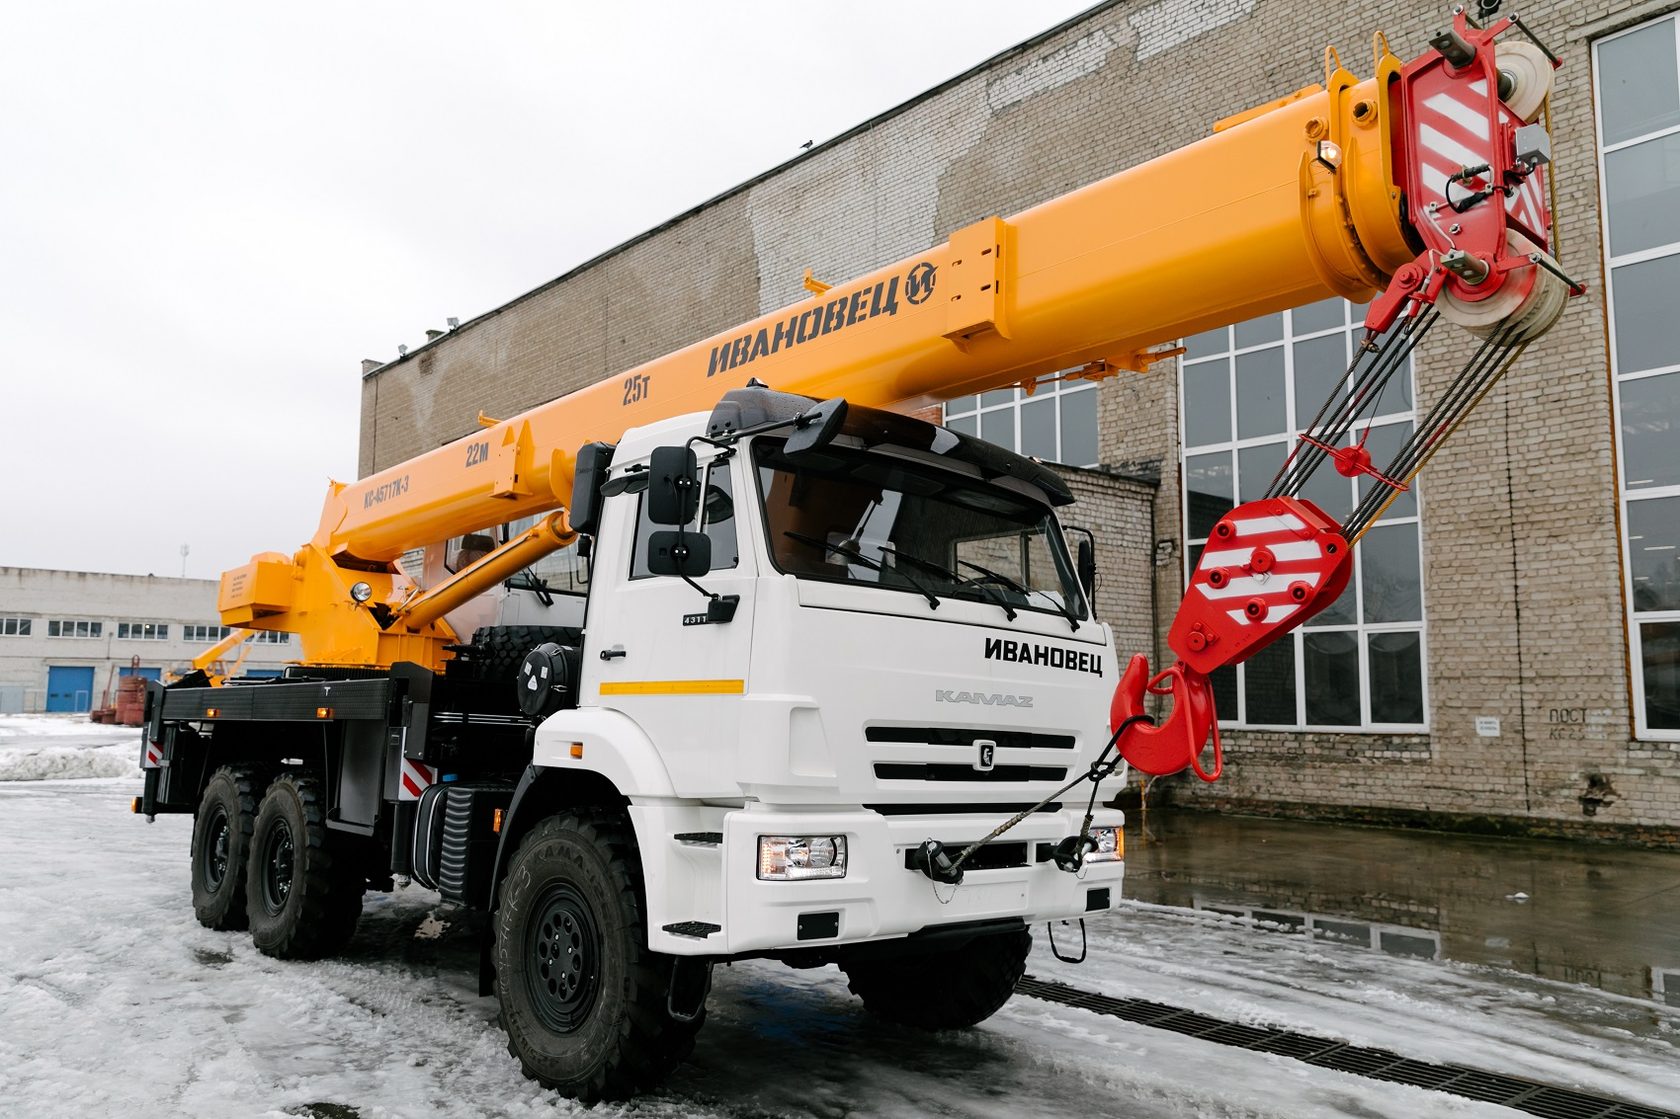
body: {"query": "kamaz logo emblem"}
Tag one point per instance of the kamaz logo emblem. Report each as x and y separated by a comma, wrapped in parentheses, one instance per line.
(988, 754)
(985, 699)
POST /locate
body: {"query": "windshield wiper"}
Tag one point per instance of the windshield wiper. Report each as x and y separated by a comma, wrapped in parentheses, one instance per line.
(946, 573)
(1019, 589)
(854, 554)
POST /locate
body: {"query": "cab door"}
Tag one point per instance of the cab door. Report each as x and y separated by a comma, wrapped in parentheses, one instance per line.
(653, 653)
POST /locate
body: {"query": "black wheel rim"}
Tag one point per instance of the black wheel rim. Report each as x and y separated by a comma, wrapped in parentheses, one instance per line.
(278, 853)
(562, 957)
(218, 834)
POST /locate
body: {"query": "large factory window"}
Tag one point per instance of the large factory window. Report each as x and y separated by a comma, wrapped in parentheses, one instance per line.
(1057, 423)
(1637, 79)
(1247, 391)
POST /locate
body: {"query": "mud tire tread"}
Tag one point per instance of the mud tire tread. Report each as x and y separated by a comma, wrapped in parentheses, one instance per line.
(643, 1042)
(325, 901)
(949, 990)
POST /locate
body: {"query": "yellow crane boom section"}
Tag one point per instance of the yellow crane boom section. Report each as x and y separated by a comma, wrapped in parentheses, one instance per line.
(1290, 203)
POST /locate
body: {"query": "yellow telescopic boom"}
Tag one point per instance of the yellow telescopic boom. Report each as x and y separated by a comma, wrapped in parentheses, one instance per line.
(1290, 203)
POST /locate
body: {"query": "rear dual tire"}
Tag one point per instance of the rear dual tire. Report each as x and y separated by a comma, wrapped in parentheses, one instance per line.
(221, 844)
(303, 888)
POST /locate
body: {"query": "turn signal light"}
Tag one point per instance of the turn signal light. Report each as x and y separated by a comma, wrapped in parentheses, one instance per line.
(135, 807)
(323, 712)
(212, 712)
(577, 749)
(496, 821)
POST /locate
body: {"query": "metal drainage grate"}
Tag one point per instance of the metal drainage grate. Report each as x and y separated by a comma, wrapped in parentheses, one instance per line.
(1375, 1064)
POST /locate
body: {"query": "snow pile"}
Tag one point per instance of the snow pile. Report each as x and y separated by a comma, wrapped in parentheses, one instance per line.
(58, 747)
(47, 726)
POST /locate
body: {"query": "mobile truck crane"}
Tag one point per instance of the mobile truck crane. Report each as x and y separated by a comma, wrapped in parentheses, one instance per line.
(835, 687)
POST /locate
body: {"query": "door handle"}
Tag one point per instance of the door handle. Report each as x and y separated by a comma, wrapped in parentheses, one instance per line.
(613, 653)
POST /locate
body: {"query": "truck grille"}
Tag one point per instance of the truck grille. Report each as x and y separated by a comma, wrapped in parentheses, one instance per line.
(993, 856)
(956, 771)
(963, 736)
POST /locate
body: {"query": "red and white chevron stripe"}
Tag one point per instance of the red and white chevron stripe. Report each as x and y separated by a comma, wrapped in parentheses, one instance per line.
(415, 777)
(153, 758)
(1293, 559)
(1268, 566)
(1453, 130)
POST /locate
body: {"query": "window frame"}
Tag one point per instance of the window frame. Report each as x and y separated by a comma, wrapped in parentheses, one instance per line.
(1049, 386)
(95, 629)
(1362, 630)
(698, 524)
(1633, 619)
(195, 632)
(19, 627)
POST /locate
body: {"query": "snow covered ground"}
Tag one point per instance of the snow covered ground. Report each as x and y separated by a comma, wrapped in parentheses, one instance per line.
(55, 747)
(114, 1001)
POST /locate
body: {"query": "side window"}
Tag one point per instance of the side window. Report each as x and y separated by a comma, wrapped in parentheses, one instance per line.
(717, 520)
(717, 516)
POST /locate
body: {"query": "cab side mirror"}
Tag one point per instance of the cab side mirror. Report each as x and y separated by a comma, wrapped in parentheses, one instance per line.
(673, 492)
(816, 427)
(1085, 564)
(679, 553)
(593, 462)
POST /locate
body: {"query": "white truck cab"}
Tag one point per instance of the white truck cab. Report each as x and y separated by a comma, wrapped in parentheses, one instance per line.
(910, 656)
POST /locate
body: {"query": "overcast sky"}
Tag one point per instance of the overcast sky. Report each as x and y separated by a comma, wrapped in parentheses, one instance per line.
(210, 213)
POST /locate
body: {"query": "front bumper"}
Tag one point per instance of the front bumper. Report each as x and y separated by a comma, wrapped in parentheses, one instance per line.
(879, 898)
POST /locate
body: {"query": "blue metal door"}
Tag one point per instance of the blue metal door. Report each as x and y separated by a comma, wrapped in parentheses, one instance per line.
(69, 688)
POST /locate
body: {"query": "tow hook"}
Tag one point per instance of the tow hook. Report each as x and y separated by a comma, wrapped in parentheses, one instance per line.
(933, 860)
(1070, 853)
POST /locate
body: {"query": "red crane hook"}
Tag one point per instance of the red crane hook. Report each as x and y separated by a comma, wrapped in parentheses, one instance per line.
(1176, 743)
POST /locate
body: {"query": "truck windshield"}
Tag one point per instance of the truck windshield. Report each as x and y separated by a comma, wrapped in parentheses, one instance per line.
(851, 516)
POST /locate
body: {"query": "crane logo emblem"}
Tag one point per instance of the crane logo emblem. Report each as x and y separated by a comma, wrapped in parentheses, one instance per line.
(918, 285)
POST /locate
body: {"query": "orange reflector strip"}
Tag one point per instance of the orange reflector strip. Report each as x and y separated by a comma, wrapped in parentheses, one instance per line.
(1119, 843)
(674, 687)
(135, 807)
(496, 821)
(577, 749)
(323, 712)
(212, 712)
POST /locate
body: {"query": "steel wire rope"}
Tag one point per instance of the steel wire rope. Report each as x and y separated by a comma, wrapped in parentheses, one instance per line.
(1366, 390)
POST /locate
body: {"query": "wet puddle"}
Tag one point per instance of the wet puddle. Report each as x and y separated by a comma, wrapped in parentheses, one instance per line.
(1603, 916)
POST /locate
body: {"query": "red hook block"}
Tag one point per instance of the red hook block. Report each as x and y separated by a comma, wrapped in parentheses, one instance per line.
(1177, 743)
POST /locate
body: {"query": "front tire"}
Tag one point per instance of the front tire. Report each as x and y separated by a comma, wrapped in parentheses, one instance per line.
(303, 891)
(584, 1001)
(221, 841)
(948, 990)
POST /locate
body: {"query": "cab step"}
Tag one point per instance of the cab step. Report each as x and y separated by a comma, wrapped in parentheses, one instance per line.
(700, 838)
(699, 930)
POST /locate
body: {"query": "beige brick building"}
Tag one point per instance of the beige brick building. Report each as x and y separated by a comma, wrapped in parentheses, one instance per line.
(1510, 655)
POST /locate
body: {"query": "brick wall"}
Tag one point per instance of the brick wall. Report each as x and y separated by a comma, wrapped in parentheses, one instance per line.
(1521, 552)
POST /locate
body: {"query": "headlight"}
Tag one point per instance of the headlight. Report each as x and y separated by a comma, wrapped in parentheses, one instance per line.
(786, 858)
(1111, 846)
